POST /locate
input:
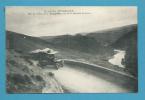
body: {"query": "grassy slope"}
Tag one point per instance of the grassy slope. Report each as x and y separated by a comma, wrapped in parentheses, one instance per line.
(23, 73)
(20, 74)
(111, 36)
(24, 43)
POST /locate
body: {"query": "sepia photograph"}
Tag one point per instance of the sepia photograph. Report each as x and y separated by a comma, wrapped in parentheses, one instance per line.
(71, 49)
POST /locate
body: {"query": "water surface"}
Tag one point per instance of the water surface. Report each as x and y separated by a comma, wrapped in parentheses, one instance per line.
(117, 58)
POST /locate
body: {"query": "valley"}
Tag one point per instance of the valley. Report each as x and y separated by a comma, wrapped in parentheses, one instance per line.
(24, 75)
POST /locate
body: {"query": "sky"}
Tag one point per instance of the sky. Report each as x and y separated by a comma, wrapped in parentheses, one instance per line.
(59, 20)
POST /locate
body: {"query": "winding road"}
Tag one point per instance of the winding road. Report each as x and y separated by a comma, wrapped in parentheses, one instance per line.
(76, 81)
(81, 78)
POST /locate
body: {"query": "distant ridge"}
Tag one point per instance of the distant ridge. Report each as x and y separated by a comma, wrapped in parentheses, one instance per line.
(104, 38)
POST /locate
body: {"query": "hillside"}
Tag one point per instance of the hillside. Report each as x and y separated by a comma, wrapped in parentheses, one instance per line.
(24, 75)
(24, 43)
(126, 40)
(96, 40)
(78, 43)
(110, 36)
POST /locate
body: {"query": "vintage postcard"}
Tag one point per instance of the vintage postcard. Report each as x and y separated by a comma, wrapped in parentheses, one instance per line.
(71, 49)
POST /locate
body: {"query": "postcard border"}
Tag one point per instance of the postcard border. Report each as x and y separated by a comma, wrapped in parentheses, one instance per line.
(118, 96)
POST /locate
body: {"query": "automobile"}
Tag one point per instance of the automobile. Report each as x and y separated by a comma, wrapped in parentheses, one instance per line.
(47, 58)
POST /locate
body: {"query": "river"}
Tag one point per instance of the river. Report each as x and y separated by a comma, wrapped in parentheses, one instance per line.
(117, 58)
